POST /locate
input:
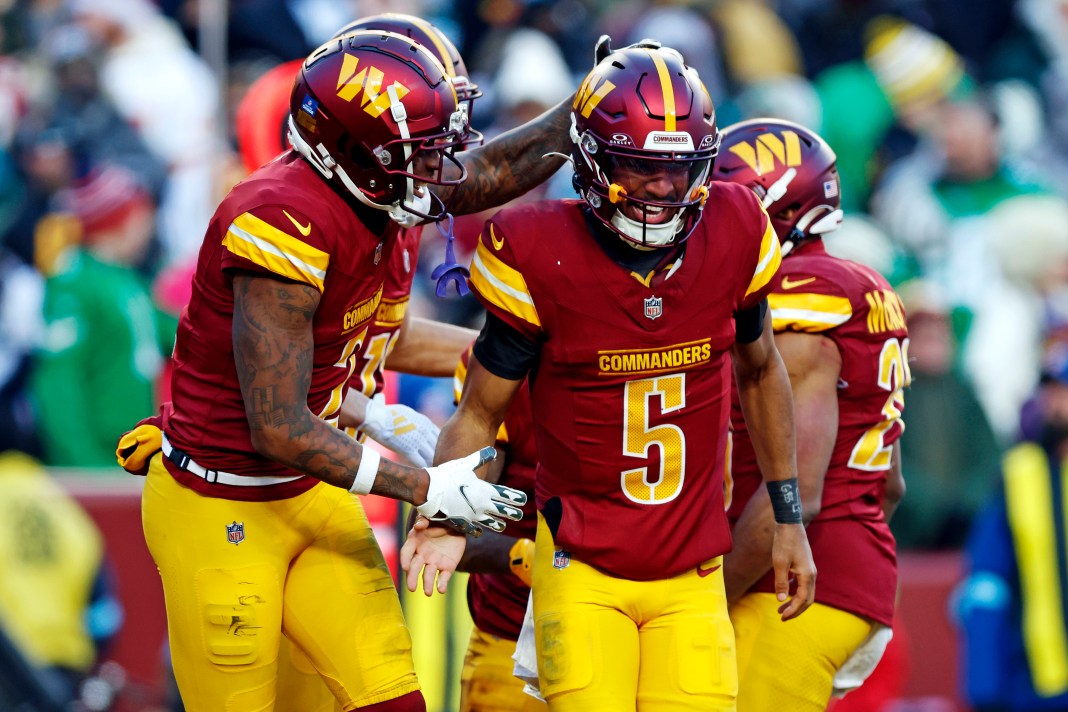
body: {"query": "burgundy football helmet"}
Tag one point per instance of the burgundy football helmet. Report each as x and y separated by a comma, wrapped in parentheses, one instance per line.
(792, 171)
(642, 107)
(364, 107)
(426, 34)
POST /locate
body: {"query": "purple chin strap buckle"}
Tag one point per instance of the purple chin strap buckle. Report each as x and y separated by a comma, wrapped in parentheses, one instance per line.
(449, 270)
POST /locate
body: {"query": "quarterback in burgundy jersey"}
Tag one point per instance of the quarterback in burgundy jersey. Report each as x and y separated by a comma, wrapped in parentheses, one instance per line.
(841, 331)
(624, 310)
(249, 514)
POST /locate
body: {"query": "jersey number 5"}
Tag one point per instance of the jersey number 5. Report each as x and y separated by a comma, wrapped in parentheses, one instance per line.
(639, 436)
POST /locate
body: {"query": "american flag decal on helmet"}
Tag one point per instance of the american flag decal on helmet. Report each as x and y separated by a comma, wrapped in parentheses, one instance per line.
(235, 533)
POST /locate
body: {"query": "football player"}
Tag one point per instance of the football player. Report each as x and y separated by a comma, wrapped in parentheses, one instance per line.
(500, 567)
(626, 309)
(248, 513)
(841, 331)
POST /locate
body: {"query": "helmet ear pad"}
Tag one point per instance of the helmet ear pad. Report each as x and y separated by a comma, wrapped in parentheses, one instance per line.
(643, 104)
(364, 109)
(791, 169)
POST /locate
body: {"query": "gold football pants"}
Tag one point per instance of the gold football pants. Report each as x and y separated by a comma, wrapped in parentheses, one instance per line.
(487, 683)
(307, 567)
(791, 665)
(609, 645)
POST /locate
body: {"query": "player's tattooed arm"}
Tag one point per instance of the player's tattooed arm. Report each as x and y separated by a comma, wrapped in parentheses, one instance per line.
(273, 354)
(512, 163)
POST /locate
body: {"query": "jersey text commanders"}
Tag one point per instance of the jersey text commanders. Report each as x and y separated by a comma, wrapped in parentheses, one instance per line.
(362, 311)
(886, 312)
(667, 358)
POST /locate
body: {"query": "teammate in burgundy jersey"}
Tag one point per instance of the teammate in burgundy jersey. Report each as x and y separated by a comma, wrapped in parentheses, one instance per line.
(499, 564)
(626, 329)
(251, 539)
(841, 331)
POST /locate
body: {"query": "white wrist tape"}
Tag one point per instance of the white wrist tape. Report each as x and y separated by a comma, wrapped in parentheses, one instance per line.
(367, 472)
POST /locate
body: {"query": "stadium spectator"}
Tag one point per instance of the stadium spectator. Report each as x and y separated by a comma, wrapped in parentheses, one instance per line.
(104, 340)
(949, 452)
(1011, 605)
(57, 599)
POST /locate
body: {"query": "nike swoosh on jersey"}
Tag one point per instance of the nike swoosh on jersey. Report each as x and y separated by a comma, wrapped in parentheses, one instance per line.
(710, 570)
(497, 244)
(304, 230)
(787, 284)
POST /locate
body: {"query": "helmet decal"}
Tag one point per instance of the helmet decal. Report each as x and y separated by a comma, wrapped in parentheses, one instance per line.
(768, 148)
(791, 169)
(368, 80)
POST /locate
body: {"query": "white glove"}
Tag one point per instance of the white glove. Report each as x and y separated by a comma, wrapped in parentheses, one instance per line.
(456, 495)
(406, 432)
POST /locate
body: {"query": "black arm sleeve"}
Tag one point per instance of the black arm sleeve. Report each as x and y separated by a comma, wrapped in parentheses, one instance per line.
(504, 351)
(749, 323)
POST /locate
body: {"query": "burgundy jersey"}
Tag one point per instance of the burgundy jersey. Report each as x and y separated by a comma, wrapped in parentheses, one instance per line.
(369, 377)
(852, 305)
(498, 602)
(285, 221)
(631, 394)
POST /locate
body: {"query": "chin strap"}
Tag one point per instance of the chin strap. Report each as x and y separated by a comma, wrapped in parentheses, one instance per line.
(450, 270)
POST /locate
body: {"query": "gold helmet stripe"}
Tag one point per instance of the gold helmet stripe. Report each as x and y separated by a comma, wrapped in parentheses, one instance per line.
(666, 87)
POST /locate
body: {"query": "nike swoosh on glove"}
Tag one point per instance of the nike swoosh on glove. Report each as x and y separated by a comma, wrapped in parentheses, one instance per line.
(457, 496)
(406, 432)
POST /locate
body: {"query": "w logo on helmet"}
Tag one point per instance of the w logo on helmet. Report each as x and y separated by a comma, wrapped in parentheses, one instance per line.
(590, 94)
(369, 81)
(768, 149)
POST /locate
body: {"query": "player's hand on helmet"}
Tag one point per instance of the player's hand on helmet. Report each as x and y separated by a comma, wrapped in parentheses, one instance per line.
(406, 432)
(521, 560)
(136, 447)
(457, 496)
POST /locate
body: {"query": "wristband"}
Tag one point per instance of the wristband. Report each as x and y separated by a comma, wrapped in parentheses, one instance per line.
(367, 472)
(785, 501)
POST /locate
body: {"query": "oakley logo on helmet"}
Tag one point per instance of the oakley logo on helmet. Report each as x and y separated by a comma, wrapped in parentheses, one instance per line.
(590, 94)
(674, 140)
(707, 142)
(368, 80)
(622, 139)
(768, 149)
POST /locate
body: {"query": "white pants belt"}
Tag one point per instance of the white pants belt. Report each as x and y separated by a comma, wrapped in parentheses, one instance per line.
(184, 462)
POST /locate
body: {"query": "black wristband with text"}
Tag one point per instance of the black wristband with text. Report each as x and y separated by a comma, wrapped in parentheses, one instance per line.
(785, 501)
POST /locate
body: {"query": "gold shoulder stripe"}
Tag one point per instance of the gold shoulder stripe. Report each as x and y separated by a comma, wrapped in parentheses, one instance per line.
(262, 243)
(808, 312)
(502, 285)
(770, 259)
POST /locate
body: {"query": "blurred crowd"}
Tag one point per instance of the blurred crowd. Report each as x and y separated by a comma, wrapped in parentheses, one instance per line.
(117, 139)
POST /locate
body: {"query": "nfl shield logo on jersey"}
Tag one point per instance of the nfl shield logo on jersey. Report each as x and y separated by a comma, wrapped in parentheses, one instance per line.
(235, 533)
(654, 307)
(561, 559)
